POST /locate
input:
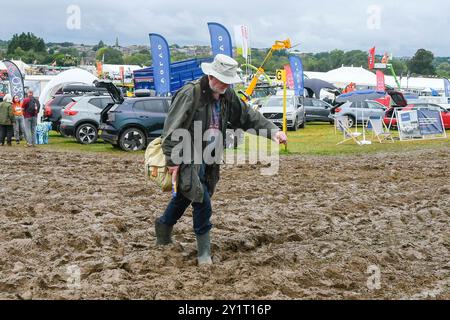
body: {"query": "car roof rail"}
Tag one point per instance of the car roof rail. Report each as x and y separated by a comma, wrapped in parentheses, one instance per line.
(79, 90)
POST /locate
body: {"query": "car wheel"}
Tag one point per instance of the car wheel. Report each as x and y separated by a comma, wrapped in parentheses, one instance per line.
(86, 133)
(351, 121)
(295, 127)
(303, 125)
(132, 139)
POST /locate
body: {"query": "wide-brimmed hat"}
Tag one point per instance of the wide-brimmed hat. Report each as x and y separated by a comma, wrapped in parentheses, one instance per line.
(223, 68)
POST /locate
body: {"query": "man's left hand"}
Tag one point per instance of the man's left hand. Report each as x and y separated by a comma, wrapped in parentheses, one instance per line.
(280, 137)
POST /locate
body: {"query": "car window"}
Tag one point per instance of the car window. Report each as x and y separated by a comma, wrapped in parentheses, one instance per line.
(96, 102)
(150, 106)
(436, 107)
(325, 104)
(397, 98)
(277, 101)
(432, 107)
(317, 104)
(308, 103)
(65, 101)
(374, 105)
(106, 101)
(358, 105)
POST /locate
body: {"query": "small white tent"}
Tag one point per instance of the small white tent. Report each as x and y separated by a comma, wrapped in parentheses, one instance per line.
(72, 76)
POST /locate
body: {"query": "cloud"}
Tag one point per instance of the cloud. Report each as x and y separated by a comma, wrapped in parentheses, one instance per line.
(320, 25)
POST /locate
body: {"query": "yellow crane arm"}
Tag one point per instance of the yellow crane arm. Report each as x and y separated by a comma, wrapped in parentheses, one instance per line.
(279, 45)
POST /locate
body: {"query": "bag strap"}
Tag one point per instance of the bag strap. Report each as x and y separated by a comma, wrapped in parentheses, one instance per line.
(197, 96)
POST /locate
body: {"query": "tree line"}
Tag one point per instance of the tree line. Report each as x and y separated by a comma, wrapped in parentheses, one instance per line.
(32, 49)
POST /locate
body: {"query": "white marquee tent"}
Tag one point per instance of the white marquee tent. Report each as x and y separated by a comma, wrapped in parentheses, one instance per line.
(72, 76)
(341, 77)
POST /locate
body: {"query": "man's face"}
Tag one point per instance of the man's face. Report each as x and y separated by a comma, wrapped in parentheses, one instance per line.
(217, 86)
(30, 94)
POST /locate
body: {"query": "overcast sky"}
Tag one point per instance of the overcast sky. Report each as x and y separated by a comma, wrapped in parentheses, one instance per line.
(400, 26)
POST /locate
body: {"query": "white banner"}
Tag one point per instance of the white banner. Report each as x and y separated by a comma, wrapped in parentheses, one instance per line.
(242, 40)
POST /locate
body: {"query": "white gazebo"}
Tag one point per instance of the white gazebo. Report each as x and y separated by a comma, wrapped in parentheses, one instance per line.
(72, 76)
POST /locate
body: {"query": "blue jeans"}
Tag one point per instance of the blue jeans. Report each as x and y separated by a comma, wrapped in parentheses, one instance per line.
(202, 211)
(19, 127)
(30, 130)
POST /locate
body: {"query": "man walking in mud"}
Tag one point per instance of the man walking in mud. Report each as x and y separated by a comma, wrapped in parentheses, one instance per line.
(211, 105)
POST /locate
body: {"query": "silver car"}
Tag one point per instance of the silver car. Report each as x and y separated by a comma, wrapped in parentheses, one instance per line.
(272, 109)
(359, 111)
(81, 117)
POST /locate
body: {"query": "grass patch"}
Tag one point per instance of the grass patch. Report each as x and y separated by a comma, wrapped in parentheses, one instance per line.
(320, 139)
(60, 143)
(316, 139)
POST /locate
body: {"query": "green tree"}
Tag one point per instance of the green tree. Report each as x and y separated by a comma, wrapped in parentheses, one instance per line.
(355, 58)
(399, 66)
(26, 41)
(336, 58)
(65, 60)
(443, 70)
(70, 51)
(111, 56)
(100, 45)
(323, 65)
(310, 63)
(422, 63)
(138, 59)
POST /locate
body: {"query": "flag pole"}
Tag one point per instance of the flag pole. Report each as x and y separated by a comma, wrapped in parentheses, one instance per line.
(283, 72)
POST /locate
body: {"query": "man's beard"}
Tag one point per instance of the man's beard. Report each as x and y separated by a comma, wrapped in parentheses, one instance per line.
(216, 90)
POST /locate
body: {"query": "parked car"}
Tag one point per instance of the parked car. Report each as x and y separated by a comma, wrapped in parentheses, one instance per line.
(359, 111)
(317, 110)
(81, 117)
(390, 118)
(295, 111)
(131, 123)
(52, 109)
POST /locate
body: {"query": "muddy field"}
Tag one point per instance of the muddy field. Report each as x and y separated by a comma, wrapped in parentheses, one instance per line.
(80, 226)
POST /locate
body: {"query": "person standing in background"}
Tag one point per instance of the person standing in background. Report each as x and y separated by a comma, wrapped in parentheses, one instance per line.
(31, 108)
(19, 125)
(6, 120)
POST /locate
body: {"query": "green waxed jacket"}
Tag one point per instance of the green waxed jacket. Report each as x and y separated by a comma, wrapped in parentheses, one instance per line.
(194, 102)
(6, 113)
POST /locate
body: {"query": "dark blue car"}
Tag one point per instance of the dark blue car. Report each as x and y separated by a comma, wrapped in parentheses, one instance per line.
(131, 123)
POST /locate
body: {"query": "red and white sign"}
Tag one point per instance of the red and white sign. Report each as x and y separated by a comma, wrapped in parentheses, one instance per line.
(381, 85)
(371, 60)
(122, 73)
(289, 77)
